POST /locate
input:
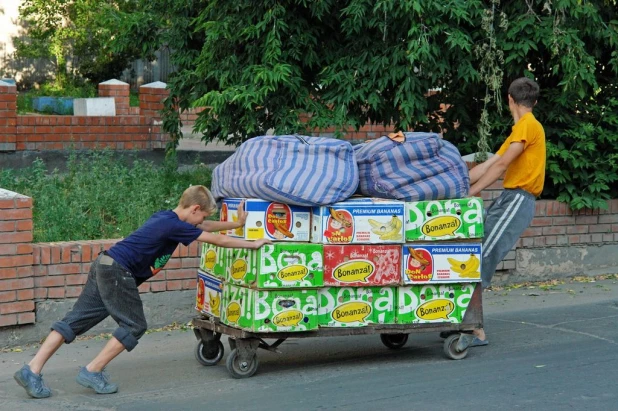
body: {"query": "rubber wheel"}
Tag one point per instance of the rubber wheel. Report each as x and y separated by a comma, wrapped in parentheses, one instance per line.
(394, 341)
(445, 334)
(238, 369)
(209, 354)
(450, 348)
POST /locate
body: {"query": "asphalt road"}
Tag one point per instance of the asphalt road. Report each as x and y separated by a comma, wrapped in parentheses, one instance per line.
(552, 349)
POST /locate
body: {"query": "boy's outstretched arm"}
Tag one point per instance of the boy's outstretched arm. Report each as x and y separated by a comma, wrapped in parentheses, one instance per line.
(231, 242)
(215, 226)
(491, 173)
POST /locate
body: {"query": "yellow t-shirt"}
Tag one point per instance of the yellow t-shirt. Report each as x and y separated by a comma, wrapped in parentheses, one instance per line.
(527, 171)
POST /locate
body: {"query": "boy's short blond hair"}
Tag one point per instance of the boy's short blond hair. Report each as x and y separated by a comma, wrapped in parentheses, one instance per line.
(198, 195)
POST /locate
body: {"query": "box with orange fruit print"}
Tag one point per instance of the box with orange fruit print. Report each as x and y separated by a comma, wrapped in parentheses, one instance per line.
(358, 221)
(209, 293)
(441, 263)
(274, 221)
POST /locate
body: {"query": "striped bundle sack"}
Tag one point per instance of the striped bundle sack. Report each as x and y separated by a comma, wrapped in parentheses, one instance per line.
(418, 167)
(298, 170)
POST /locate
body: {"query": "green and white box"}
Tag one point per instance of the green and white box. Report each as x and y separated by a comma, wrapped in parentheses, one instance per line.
(356, 306)
(214, 259)
(444, 219)
(271, 310)
(433, 303)
(279, 265)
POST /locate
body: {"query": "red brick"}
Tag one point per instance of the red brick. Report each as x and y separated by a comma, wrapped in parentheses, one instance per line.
(57, 292)
(566, 220)
(174, 285)
(86, 252)
(554, 230)
(73, 292)
(574, 239)
(17, 214)
(25, 249)
(605, 219)
(25, 271)
(15, 261)
(18, 237)
(590, 220)
(180, 274)
(7, 226)
(55, 255)
(585, 238)
(550, 240)
(144, 287)
(63, 269)
(608, 238)
(7, 296)
(9, 272)
(541, 221)
(40, 293)
(6, 320)
(39, 270)
(601, 228)
(27, 294)
(188, 284)
(77, 279)
(577, 229)
(16, 307)
(66, 253)
(25, 318)
(57, 281)
(8, 249)
(597, 238)
(157, 286)
(173, 264)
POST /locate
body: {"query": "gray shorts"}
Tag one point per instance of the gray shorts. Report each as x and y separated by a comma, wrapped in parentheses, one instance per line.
(505, 220)
(110, 290)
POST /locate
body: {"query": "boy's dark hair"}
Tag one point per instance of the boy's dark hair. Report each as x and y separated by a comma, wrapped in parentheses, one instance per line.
(524, 91)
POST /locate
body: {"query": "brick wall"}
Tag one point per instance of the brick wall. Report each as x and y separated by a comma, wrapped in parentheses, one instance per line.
(132, 127)
(16, 273)
(61, 269)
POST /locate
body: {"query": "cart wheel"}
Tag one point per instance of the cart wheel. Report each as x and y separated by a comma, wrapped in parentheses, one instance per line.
(450, 348)
(394, 341)
(240, 369)
(209, 354)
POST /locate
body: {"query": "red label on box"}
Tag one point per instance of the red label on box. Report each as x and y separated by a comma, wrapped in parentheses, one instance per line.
(361, 265)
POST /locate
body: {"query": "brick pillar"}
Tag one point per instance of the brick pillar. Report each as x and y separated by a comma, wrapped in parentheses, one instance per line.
(151, 98)
(120, 91)
(16, 259)
(8, 116)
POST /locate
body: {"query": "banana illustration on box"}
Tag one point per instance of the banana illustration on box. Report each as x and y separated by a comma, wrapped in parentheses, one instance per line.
(468, 268)
(238, 231)
(215, 303)
(387, 231)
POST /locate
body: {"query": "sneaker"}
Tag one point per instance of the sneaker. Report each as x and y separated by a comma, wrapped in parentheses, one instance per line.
(96, 380)
(32, 383)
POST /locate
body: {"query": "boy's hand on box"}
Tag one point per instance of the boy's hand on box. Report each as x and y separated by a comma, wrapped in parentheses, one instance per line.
(241, 214)
(261, 242)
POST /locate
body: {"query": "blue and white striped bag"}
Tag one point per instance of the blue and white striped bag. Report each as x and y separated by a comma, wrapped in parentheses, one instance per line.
(423, 167)
(298, 170)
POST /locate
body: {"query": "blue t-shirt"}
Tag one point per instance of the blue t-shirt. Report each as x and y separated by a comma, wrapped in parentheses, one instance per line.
(149, 248)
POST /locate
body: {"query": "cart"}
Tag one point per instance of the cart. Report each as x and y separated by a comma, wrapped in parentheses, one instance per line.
(242, 362)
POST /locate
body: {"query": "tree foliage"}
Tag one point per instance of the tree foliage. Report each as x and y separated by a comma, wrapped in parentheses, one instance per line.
(295, 65)
(76, 29)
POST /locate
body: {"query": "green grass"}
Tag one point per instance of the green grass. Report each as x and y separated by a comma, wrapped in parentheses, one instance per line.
(99, 197)
(76, 89)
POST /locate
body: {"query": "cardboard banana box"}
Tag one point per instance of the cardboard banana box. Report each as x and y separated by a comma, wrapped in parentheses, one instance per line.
(270, 311)
(275, 221)
(433, 303)
(356, 306)
(278, 265)
(441, 262)
(209, 294)
(214, 260)
(362, 265)
(444, 219)
(359, 221)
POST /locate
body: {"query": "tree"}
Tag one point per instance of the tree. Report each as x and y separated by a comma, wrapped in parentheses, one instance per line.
(60, 29)
(296, 65)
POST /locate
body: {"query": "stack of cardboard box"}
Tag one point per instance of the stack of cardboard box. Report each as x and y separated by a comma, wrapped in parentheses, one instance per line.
(351, 264)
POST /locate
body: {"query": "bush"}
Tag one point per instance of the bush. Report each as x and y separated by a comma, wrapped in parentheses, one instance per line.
(99, 197)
